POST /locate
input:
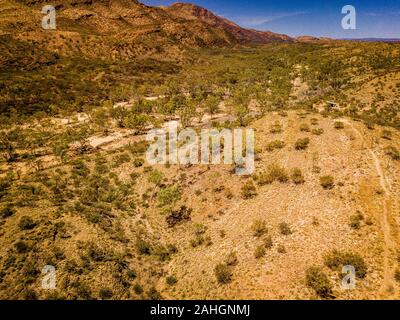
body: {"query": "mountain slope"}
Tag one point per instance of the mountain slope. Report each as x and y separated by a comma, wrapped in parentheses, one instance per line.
(193, 13)
(182, 24)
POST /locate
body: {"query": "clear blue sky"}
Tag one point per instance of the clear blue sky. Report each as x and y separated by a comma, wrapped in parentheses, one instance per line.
(375, 19)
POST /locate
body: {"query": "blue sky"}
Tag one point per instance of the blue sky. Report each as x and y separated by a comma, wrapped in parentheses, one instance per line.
(375, 19)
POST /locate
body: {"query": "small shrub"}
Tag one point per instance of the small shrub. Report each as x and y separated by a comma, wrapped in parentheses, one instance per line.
(21, 246)
(223, 273)
(198, 240)
(304, 127)
(369, 222)
(259, 228)
(273, 145)
(327, 182)
(153, 294)
(336, 260)
(386, 134)
(138, 289)
(284, 229)
(138, 162)
(281, 249)
(397, 275)
(338, 125)
(58, 253)
(168, 196)
(264, 178)
(138, 148)
(79, 169)
(98, 253)
(259, 252)
(274, 172)
(392, 152)
(249, 190)
(355, 221)
(228, 194)
(131, 274)
(318, 280)
(72, 267)
(276, 128)
(297, 176)
(317, 131)
(105, 294)
(171, 280)
(161, 252)
(207, 241)
(26, 223)
(302, 144)
(278, 173)
(199, 229)
(172, 248)
(369, 124)
(7, 210)
(143, 246)
(5, 184)
(156, 177)
(30, 294)
(316, 169)
(268, 243)
(177, 216)
(315, 221)
(232, 259)
(121, 159)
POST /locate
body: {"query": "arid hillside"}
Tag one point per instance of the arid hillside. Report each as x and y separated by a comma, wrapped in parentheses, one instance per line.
(325, 194)
(77, 192)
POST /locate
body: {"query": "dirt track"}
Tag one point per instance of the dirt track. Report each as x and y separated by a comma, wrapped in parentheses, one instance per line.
(390, 243)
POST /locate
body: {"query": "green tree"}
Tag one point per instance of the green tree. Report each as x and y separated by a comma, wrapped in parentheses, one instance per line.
(264, 101)
(7, 147)
(121, 93)
(119, 114)
(241, 100)
(187, 113)
(81, 137)
(137, 121)
(100, 118)
(241, 112)
(212, 105)
(60, 149)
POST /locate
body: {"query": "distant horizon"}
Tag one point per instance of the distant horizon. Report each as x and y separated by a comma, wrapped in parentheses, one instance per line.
(398, 39)
(296, 18)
